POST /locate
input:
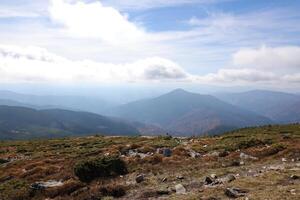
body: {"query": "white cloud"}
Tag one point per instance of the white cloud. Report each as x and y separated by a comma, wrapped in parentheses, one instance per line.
(276, 58)
(149, 4)
(236, 76)
(93, 20)
(13, 13)
(34, 64)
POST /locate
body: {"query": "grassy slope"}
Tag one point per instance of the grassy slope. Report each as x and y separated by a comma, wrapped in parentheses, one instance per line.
(42, 160)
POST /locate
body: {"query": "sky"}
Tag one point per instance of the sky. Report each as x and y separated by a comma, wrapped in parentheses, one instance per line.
(221, 43)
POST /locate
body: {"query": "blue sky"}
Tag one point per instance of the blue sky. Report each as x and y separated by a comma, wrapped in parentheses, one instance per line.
(251, 43)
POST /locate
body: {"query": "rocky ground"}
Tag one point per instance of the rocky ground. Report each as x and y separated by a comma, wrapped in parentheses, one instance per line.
(253, 163)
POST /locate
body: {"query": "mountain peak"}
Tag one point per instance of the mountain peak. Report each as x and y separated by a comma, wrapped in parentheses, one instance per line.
(178, 91)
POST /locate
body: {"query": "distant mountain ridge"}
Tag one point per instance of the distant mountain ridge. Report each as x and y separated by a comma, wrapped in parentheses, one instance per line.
(76, 103)
(189, 113)
(278, 106)
(23, 123)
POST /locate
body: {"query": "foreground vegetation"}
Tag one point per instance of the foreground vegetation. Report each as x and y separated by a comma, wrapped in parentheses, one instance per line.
(256, 163)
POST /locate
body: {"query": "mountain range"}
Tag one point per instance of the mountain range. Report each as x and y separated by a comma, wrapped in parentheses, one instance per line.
(186, 113)
(178, 112)
(23, 123)
(279, 106)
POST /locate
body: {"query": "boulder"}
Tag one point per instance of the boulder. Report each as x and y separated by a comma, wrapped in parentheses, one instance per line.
(193, 154)
(208, 180)
(295, 177)
(235, 192)
(229, 178)
(180, 189)
(167, 152)
(140, 178)
(247, 157)
(46, 184)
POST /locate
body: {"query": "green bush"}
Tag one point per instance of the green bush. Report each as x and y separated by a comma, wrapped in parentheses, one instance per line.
(90, 169)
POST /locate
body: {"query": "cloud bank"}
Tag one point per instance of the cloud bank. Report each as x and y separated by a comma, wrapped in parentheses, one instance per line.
(33, 64)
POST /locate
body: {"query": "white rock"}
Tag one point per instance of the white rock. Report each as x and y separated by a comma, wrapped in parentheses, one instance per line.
(180, 189)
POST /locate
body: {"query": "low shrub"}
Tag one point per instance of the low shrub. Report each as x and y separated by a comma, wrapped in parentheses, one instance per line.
(88, 170)
(113, 190)
(272, 150)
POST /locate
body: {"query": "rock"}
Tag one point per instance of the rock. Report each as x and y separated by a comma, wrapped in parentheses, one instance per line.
(223, 154)
(293, 191)
(162, 192)
(247, 157)
(235, 192)
(180, 189)
(164, 179)
(235, 163)
(229, 178)
(208, 180)
(283, 159)
(167, 152)
(215, 154)
(295, 177)
(180, 177)
(214, 176)
(140, 178)
(47, 184)
(159, 151)
(194, 154)
(276, 167)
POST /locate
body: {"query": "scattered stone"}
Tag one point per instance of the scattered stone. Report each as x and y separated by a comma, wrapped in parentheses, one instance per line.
(247, 157)
(193, 154)
(276, 167)
(163, 192)
(180, 177)
(235, 192)
(229, 178)
(283, 159)
(134, 153)
(235, 163)
(295, 177)
(159, 151)
(47, 184)
(167, 152)
(215, 154)
(180, 189)
(208, 180)
(214, 176)
(164, 179)
(293, 191)
(140, 178)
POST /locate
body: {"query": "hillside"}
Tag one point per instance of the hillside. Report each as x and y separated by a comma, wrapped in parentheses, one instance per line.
(278, 106)
(21, 122)
(75, 103)
(251, 163)
(182, 112)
